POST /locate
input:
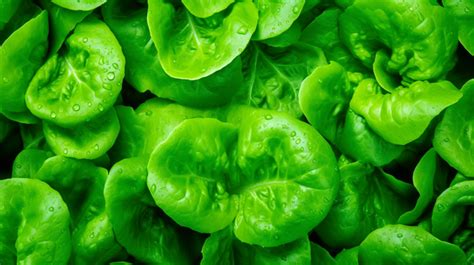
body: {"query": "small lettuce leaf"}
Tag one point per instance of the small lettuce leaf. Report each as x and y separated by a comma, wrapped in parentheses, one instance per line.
(152, 238)
(450, 207)
(358, 141)
(34, 223)
(22, 55)
(403, 116)
(463, 12)
(273, 75)
(81, 185)
(454, 135)
(62, 22)
(386, 80)
(429, 177)
(324, 98)
(420, 36)
(368, 198)
(81, 81)
(323, 32)
(192, 48)
(401, 245)
(88, 140)
(28, 162)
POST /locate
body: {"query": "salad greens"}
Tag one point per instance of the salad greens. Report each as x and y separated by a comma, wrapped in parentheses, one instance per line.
(252, 132)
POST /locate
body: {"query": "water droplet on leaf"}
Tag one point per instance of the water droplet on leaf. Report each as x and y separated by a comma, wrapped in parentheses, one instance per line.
(243, 30)
(111, 76)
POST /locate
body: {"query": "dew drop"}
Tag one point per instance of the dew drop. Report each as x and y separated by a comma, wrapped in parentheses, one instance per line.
(115, 65)
(106, 86)
(92, 235)
(51, 209)
(76, 107)
(65, 151)
(101, 108)
(268, 117)
(153, 188)
(5, 79)
(295, 10)
(39, 106)
(399, 235)
(101, 60)
(89, 104)
(440, 207)
(276, 237)
(96, 147)
(243, 30)
(298, 141)
(85, 40)
(446, 140)
(293, 134)
(467, 10)
(148, 113)
(111, 76)
(53, 115)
